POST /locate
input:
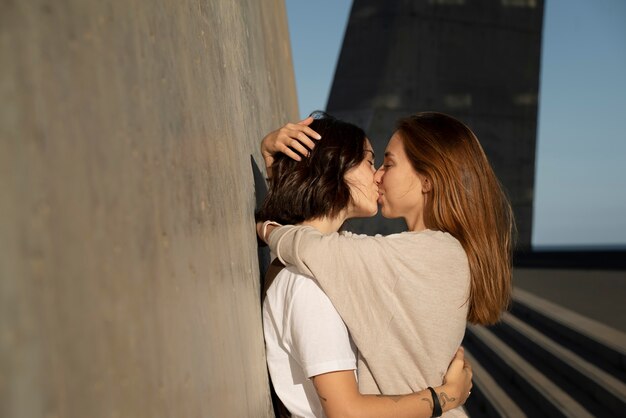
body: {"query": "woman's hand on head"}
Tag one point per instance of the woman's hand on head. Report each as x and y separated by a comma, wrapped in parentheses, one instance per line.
(293, 140)
(457, 382)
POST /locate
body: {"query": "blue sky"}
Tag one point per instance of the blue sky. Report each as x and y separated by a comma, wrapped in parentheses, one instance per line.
(580, 183)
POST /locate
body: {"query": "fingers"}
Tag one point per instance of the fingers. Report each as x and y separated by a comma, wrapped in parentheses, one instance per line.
(310, 132)
(458, 377)
(297, 139)
(455, 370)
(293, 139)
(307, 121)
(459, 358)
(291, 154)
(296, 128)
(460, 352)
(304, 127)
(469, 375)
(467, 367)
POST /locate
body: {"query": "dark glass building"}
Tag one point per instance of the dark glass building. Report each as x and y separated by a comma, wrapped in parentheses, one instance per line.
(477, 60)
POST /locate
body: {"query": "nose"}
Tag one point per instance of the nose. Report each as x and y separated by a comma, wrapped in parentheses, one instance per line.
(378, 176)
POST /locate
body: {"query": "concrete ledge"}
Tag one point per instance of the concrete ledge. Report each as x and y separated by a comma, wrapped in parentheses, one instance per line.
(608, 390)
(549, 397)
(499, 404)
(595, 336)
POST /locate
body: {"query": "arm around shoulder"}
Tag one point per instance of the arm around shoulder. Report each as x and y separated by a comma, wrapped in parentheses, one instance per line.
(297, 245)
(311, 251)
(340, 398)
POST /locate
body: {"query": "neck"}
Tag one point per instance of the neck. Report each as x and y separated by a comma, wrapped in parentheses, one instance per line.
(326, 225)
(415, 225)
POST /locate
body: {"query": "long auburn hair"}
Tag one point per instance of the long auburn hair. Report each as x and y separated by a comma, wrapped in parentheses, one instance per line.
(467, 201)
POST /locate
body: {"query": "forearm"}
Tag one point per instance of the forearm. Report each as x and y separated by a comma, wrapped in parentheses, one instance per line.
(415, 405)
(340, 398)
(287, 244)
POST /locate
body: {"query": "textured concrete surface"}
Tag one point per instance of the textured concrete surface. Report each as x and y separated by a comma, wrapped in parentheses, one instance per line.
(596, 294)
(128, 263)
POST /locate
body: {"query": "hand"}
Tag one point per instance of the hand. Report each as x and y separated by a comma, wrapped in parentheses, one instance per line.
(292, 136)
(457, 382)
(264, 229)
(259, 231)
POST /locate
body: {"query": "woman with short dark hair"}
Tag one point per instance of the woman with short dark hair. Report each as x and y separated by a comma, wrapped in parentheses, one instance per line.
(309, 353)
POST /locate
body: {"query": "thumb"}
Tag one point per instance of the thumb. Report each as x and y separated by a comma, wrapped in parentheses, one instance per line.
(460, 354)
(458, 361)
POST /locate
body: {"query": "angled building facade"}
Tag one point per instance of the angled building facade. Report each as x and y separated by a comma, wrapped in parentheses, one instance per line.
(475, 60)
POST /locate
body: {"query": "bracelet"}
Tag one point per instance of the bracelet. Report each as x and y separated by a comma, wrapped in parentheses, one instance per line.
(436, 405)
(264, 230)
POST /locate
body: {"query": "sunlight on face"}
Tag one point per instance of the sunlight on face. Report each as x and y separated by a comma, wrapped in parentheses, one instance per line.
(363, 189)
(400, 186)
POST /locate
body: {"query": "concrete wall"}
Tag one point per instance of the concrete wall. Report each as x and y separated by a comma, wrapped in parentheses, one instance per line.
(128, 264)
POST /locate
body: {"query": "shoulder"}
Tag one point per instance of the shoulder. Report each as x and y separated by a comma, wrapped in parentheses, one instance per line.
(290, 284)
(307, 309)
(292, 291)
(429, 237)
(429, 241)
(441, 247)
(443, 239)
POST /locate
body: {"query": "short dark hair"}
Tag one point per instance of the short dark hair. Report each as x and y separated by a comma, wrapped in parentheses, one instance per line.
(315, 186)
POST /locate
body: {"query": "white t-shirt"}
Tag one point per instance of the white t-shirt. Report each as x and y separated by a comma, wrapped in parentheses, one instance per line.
(304, 337)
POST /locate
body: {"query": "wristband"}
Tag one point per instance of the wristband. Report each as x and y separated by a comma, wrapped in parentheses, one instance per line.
(436, 405)
(264, 230)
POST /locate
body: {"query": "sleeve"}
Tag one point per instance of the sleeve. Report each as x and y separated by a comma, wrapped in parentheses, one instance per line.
(355, 272)
(318, 337)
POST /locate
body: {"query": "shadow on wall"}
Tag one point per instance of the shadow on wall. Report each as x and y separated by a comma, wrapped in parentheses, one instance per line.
(263, 251)
(260, 190)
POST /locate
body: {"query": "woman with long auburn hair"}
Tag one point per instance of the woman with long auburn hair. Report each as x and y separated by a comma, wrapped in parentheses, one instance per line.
(405, 298)
(465, 200)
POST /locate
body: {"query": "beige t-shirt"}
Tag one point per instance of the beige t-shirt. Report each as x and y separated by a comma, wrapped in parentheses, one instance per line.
(403, 298)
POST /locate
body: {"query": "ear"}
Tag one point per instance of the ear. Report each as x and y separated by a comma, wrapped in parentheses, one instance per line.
(427, 186)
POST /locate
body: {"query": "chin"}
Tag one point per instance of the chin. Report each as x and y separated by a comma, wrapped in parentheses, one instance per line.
(366, 212)
(387, 213)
